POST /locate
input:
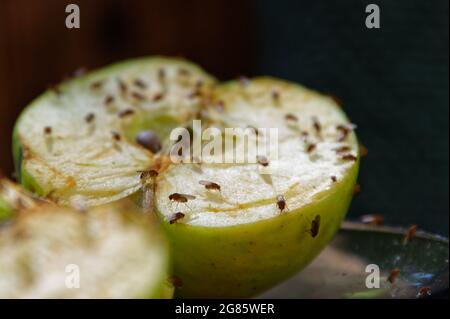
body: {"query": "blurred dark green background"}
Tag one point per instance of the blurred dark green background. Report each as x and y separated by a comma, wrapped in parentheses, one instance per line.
(393, 81)
(394, 85)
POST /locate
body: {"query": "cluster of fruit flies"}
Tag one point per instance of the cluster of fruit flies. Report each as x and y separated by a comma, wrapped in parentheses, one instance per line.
(280, 201)
(184, 198)
(135, 89)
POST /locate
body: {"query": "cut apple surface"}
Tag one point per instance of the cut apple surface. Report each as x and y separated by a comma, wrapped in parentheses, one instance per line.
(78, 142)
(106, 252)
(235, 229)
(261, 226)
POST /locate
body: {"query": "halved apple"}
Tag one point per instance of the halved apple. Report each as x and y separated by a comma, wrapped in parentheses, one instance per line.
(260, 227)
(110, 251)
(235, 229)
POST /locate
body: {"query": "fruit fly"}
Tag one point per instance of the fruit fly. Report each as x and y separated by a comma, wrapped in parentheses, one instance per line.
(343, 149)
(275, 95)
(393, 275)
(138, 96)
(424, 292)
(116, 136)
(281, 203)
(344, 130)
(372, 219)
(291, 117)
(96, 85)
(315, 226)
(176, 217)
(363, 151)
(109, 99)
(255, 130)
(122, 87)
(199, 84)
(311, 148)
(184, 72)
(161, 74)
(48, 130)
(181, 198)
(148, 174)
(410, 233)
(89, 118)
(158, 97)
(210, 185)
(140, 84)
(349, 157)
(195, 93)
(125, 113)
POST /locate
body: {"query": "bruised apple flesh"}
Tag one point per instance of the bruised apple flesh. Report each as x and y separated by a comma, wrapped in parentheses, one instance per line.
(235, 228)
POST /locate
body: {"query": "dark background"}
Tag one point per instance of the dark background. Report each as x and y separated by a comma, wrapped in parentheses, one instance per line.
(393, 81)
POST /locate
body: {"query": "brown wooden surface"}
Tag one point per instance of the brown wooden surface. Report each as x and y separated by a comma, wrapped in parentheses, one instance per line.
(36, 49)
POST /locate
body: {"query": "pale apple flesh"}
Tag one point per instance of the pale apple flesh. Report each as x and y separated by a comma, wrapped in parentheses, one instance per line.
(107, 252)
(232, 243)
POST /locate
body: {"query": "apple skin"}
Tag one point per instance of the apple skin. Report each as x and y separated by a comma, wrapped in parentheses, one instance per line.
(244, 260)
(163, 289)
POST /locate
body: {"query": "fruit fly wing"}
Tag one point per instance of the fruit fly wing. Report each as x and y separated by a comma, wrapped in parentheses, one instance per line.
(176, 196)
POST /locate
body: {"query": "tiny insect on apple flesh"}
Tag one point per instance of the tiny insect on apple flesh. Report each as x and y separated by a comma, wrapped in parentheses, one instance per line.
(210, 185)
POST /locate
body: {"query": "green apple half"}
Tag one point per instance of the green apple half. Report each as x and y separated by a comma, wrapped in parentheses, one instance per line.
(235, 242)
(115, 252)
